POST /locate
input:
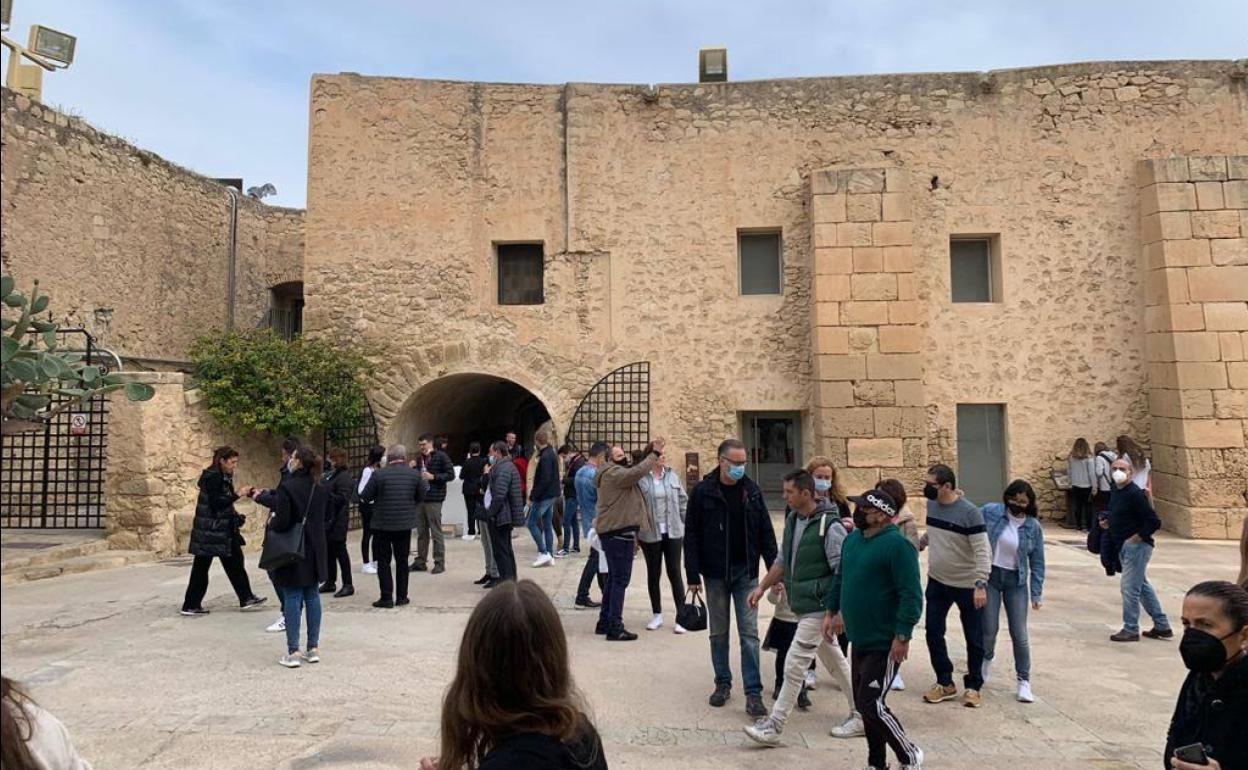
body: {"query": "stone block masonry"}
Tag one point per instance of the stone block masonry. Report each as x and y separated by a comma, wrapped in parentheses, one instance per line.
(1197, 339)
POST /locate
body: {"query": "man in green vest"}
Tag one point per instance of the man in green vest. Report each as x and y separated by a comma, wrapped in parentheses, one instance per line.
(808, 562)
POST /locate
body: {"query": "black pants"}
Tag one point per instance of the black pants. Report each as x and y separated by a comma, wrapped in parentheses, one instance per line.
(1100, 502)
(504, 557)
(470, 505)
(234, 570)
(366, 519)
(872, 676)
(940, 598)
(396, 546)
(655, 553)
(1081, 515)
(338, 558)
(588, 574)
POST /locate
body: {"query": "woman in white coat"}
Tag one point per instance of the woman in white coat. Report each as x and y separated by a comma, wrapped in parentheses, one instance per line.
(666, 497)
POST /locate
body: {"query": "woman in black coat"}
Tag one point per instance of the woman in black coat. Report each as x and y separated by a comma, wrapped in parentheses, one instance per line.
(215, 534)
(340, 485)
(301, 499)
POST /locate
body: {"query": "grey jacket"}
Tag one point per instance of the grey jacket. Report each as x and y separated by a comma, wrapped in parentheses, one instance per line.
(674, 501)
(394, 492)
(506, 498)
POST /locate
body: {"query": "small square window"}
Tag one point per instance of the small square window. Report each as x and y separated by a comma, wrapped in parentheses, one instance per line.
(760, 265)
(975, 269)
(521, 268)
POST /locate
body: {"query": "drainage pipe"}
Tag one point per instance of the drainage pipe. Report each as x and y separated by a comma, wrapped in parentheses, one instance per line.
(232, 263)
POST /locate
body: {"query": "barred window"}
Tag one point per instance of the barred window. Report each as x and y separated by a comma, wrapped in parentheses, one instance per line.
(521, 274)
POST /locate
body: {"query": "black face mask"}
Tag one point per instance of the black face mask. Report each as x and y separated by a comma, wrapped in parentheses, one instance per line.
(860, 520)
(1203, 652)
(930, 491)
(1017, 509)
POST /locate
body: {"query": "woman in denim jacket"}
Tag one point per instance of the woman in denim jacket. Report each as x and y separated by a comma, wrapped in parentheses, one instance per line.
(1017, 542)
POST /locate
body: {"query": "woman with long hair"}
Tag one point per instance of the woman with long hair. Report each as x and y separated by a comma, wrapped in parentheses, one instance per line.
(337, 481)
(31, 738)
(215, 534)
(1016, 540)
(512, 704)
(1140, 464)
(1081, 469)
(301, 499)
(375, 455)
(667, 499)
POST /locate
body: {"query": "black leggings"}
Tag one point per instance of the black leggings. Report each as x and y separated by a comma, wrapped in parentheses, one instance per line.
(1081, 507)
(470, 505)
(655, 553)
(338, 558)
(366, 519)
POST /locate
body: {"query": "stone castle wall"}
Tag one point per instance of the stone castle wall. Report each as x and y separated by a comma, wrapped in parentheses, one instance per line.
(638, 193)
(128, 245)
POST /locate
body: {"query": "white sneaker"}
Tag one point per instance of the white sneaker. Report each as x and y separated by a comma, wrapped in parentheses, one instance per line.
(655, 623)
(986, 670)
(543, 560)
(277, 625)
(764, 731)
(313, 656)
(810, 680)
(291, 660)
(898, 684)
(679, 629)
(370, 568)
(1024, 692)
(917, 764)
(851, 728)
(469, 538)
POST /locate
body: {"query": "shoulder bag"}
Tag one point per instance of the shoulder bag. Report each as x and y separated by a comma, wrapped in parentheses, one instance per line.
(282, 549)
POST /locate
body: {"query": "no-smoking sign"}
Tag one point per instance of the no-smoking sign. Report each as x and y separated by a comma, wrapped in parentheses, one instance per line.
(77, 424)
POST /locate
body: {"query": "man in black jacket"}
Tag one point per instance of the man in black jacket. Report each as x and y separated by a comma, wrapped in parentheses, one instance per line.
(505, 510)
(470, 473)
(1132, 522)
(395, 492)
(727, 530)
(542, 499)
(436, 469)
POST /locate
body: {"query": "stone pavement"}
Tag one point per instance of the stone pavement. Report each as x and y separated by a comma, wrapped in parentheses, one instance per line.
(140, 686)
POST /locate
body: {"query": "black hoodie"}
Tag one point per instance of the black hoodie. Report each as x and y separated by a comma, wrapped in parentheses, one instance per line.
(534, 751)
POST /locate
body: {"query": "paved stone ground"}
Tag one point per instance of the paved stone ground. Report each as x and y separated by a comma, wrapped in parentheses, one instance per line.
(140, 686)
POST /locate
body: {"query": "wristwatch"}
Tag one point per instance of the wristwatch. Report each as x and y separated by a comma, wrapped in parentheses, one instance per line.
(981, 584)
(902, 637)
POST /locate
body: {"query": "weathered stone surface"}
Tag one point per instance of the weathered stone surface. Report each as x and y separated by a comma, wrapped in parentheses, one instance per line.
(875, 452)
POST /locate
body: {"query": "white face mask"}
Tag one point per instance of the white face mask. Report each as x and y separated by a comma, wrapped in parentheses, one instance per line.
(1120, 476)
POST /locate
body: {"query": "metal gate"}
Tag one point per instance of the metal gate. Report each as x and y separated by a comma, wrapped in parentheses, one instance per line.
(616, 410)
(53, 477)
(357, 436)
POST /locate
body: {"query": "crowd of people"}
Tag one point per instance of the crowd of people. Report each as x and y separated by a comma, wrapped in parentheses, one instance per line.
(844, 578)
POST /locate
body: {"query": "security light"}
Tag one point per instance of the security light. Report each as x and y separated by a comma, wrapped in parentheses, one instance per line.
(713, 65)
(6, 13)
(52, 45)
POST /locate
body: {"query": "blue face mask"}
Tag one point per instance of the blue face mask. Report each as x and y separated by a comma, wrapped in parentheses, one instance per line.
(823, 485)
(490, 460)
(736, 472)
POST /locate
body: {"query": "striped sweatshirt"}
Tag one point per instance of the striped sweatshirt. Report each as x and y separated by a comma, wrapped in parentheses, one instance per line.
(958, 549)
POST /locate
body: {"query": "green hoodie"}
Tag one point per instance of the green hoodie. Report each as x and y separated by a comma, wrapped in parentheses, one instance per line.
(877, 589)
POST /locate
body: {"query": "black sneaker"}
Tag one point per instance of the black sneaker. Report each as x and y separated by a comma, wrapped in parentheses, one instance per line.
(721, 695)
(623, 635)
(193, 612)
(803, 700)
(438, 569)
(754, 706)
(327, 588)
(482, 580)
(586, 603)
(1159, 633)
(1124, 636)
(491, 583)
(384, 604)
(418, 567)
(402, 602)
(347, 590)
(601, 629)
(252, 604)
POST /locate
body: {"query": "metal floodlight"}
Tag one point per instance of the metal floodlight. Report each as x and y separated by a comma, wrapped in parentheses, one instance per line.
(261, 191)
(6, 13)
(50, 44)
(713, 65)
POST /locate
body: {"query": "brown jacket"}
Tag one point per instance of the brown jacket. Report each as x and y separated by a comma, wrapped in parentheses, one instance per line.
(622, 505)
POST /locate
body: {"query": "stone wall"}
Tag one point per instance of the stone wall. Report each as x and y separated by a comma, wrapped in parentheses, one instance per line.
(1194, 230)
(130, 246)
(638, 194)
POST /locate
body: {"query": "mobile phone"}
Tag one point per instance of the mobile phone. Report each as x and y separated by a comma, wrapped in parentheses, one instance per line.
(1193, 753)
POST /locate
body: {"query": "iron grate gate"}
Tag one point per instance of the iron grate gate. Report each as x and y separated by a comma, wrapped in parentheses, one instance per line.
(615, 410)
(357, 437)
(53, 477)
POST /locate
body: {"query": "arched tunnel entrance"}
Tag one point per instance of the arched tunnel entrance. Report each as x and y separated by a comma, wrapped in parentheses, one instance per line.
(470, 407)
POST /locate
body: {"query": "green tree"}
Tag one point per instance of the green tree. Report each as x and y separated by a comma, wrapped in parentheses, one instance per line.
(38, 380)
(258, 381)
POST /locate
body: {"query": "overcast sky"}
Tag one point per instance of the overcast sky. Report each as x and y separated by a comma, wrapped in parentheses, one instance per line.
(221, 86)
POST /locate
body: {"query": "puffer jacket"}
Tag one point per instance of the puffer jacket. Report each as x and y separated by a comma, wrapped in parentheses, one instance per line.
(506, 494)
(394, 492)
(674, 505)
(340, 485)
(442, 468)
(216, 523)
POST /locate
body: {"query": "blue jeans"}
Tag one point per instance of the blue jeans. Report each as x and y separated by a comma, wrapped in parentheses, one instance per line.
(541, 521)
(1003, 586)
(619, 552)
(571, 530)
(1136, 589)
(719, 593)
(292, 608)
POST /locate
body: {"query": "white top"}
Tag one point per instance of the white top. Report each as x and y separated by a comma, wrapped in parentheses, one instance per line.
(49, 742)
(660, 504)
(365, 475)
(1141, 476)
(1006, 556)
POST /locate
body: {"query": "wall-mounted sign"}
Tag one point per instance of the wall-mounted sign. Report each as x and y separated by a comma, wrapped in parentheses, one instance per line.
(693, 470)
(78, 424)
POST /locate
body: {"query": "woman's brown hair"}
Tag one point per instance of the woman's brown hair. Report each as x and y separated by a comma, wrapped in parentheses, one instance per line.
(1080, 450)
(222, 453)
(513, 676)
(837, 493)
(338, 456)
(15, 727)
(895, 489)
(1131, 450)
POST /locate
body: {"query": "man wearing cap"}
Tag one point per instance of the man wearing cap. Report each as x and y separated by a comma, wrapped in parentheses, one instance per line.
(809, 557)
(876, 599)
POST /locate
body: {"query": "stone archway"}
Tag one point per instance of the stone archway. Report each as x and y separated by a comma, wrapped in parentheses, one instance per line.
(470, 407)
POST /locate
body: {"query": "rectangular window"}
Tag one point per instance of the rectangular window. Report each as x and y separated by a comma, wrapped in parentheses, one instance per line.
(521, 268)
(981, 451)
(760, 265)
(975, 268)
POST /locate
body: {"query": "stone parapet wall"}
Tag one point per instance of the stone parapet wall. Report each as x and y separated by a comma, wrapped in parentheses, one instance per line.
(129, 245)
(1194, 232)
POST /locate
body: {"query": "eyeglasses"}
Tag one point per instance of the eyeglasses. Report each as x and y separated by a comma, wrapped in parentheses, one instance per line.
(734, 463)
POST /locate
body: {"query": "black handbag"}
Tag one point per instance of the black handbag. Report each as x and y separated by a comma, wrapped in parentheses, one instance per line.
(282, 549)
(692, 614)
